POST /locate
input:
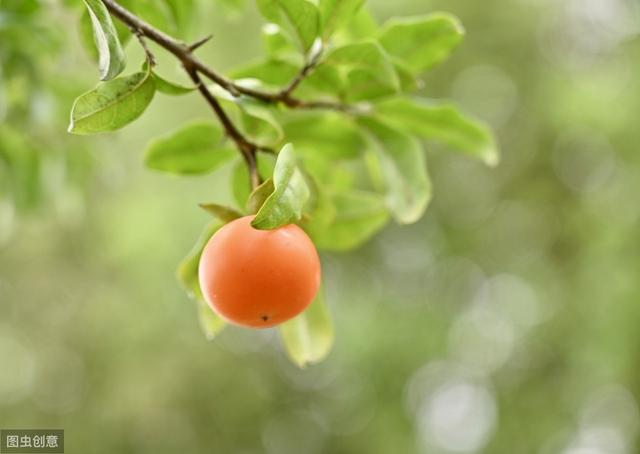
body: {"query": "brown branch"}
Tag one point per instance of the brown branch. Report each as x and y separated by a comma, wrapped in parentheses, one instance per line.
(247, 148)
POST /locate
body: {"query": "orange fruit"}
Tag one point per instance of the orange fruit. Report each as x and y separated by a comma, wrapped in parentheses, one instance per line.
(259, 278)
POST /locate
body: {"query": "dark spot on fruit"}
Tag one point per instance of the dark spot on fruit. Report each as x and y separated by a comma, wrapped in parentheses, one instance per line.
(265, 318)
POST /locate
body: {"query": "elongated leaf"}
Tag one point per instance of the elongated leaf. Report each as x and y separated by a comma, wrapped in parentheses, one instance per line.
(285, 204)
(367, 68)
(259, 195)
(193, 149)
(441, 122)
(336, 13)
(171, 88)
(358, 215)
(187, 274)
(111, 59)
(87, 39)
(331, 135)
(403, 169)
(308, 338)
(221, 212)
(300, 17)
(112, 105)
(421, 41)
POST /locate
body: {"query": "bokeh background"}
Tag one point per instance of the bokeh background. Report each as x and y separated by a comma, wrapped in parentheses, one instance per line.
(506, 321)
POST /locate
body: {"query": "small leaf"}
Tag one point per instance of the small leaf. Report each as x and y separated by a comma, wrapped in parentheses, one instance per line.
(193, 149)
(274, 73)
(336, 13)
(441, 122)
(308, 338)
(112, 105)
(259, 196)
(111, 60)
(278, 46)
(300, 17)
(403, 169)
(170, 88)
(221, 212)
(187, 274)
(86, 35)
(367, 68)
(285, 204)
(358, 216)
(421, 41)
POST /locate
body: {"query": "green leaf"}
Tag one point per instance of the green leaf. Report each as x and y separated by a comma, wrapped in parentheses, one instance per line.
(170, 88)
(368, 69)
(187, 274)
(441, 122)
(111, 61)
(329, 134)
(259, 195)
(86, 35)
(308, 338)
(403, 169)
(336, 13)
(358, 216)
(278, 46)
(421, 41)
(112, 105)
(193, 149)
(300, 17)
(291, 192)
(221, 212)
(274, 73)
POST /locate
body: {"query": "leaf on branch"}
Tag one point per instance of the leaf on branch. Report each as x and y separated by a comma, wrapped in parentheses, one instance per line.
(366, 66)
(87, 40)
(111, 58)
(170, 88)
(334, 14)
(221, 212)
(278, 46)
(329, 134)
(441, 122)
(403, 170)
(196, 148)
(421, 42)
(357, 216)
(187, 274)
(290, 194)
(308, 338)
(300, 17)
(113, 104)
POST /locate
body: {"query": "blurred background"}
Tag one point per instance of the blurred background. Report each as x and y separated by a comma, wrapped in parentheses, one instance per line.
(505, 321)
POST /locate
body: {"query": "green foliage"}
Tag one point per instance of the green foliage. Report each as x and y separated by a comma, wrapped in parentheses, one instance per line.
(299, 17)
(221, 212)
(421, 42)
(441, 122)
(196, 148)
(113, 104)
(167, 87)
(290, 193)
(403, 169)
(334, 14)
(111, 59)
(309, 336)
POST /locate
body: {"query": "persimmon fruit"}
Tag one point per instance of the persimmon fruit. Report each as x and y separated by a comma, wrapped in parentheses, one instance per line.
(259, 278)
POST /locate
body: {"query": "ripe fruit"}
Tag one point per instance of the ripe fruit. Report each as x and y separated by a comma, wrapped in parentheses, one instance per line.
(259, 278)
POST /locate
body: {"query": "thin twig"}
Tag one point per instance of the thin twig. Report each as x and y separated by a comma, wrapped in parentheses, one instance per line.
(247, 148)
(150, 57)
(200, 43)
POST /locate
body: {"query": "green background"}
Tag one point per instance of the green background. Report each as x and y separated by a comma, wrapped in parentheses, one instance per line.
(505, 321)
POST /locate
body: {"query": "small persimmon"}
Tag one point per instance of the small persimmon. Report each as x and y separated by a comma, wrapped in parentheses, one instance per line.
(259, 278)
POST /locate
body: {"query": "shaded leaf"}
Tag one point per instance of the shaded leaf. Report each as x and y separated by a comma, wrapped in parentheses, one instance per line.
(421, 41)
(193, 149)
(170, 88)
(329, 134)
(300, 17)
(291, 192)
(278, 46)
(308, 338)
(111, 58)
(358, 216)
(441, 122)
(187, 274)
(221, 212)
(403, 171)
(112, 105)
(259, 195)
